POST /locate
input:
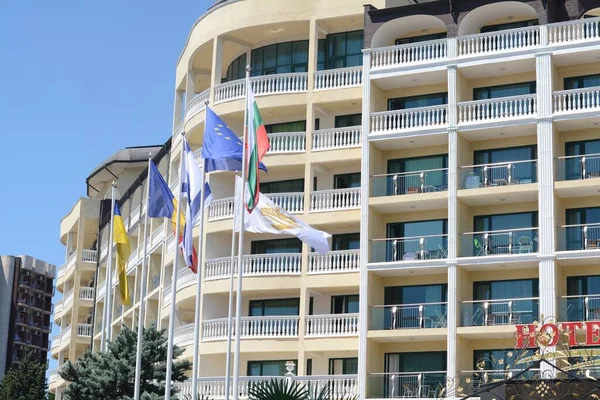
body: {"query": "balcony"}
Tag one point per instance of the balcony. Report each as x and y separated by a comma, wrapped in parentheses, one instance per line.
(580, 308)
(101, 290)
(335, 200)
(338, 78)
(429, 247)
(287, 142)
(52, 377)
(571, 168)
(499, 312)
(61, 271)
(185, 278)
(409, 316)
(58, 306)
(71, 260)
(576, 100)
(68, 299)
(413, 182)
(334, 261)
(184, 335)
(579, 237)
(331, 325)
(499, 42)
(579, 30)
(253, 327)
(407, 385)
(196, 105)
(511, 108)
(84, 330)
(86, 293)
(501, 242)
(407, 120)
(498, 174)
(263, 85)
(340, 386)
(221, 209)
(256, 265)
(336, 138)
(55, 340)
(292, 202)
(409, 54)
(475, 381)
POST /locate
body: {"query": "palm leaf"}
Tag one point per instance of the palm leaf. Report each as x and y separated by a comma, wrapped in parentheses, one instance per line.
(278, 389)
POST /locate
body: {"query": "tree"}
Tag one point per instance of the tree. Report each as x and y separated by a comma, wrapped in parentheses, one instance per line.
(26, 382)
(110, 375)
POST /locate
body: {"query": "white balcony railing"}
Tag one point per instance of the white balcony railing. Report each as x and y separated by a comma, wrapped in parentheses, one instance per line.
(58, 306)
(338, 78)
(158, 235)
(61, 271)
(263, 85)
(65, 334)
(332, 325)
(104, 250)
(184, 335)
(197, 104)
(84, 329)
(86, 293)
(88, 255)
(500, 41)
(573, 31)
(411, 118)
(287, 142)
(253, 327)
(334, 261)
(336, 138)
(497, 109)
(185, 278)
(585, 99)
(68, 299)
(221, 209)
(71, 260)
(340, 386)
(292, 202)
(335, 199)
(52, 377)
(101, 289)
(408, 53)
(256, 264)
(55, 340)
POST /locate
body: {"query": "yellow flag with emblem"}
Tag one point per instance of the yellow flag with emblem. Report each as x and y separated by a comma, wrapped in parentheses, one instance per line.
(123, 252)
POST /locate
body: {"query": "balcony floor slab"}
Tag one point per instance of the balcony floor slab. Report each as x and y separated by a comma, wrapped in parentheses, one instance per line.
(577, 188)
(486, 332)
(499, 194)
(404, 335)
(409, 202)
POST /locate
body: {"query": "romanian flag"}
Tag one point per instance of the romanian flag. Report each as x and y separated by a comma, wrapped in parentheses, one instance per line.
(258, 145)
(162, 204)
(123, 252)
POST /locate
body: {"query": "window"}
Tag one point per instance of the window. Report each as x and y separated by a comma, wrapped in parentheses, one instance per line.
(579, 82)
(573, 165)
(513, 89)
(498, 222)
(346, 181)
(346, 304)
(581, 286)
(521, 172)
(345, 241)
(342, 121)
(274, 307)
(280, 58)
(520, 311)
(276, 246)
(309, 367)
(422, 38)
(295, 126)
(236, 70)
(406, 183)
(510, 289)
(268, 368)
(343, 366)
(509, 25)
(321, 54)
(343, 49)
(409, 247)
(425, 100)
(574, 234)
(414, 362)
(290, 186)
(514, 233)
(408, 317)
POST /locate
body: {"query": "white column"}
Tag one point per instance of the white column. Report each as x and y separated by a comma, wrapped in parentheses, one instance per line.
(313, 52)
(217, 66)
(190, 90)
(364, 229)
(177, 108)
(545, 173)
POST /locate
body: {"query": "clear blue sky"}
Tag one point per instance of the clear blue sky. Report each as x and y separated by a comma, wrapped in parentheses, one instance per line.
(78, 81)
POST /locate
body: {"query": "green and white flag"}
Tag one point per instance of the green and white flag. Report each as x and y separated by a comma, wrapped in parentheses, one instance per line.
(258, 145)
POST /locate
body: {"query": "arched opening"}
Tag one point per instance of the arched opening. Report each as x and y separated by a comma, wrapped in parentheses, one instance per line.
(497, 17)
(416, 28)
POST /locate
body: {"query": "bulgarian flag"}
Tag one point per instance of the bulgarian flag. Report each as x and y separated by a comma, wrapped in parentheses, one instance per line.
(258, 145)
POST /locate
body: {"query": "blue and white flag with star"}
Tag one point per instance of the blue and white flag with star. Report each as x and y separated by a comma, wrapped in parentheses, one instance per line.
(222, 149)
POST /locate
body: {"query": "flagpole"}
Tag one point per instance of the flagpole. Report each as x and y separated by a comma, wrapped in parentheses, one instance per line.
(238, 300)
(196, 361)
(108, 280)
(141, 324)
(174, 281)
(230, 312)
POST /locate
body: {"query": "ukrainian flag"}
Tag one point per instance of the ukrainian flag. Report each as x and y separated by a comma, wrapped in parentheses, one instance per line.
(123, 252)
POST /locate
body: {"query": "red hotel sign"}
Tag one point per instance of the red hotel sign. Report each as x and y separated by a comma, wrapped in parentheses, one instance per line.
(528, 336)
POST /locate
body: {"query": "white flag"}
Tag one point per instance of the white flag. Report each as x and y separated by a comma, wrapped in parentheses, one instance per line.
(268, 217)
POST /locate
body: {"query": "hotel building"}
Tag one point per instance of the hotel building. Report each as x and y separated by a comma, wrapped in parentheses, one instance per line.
(452, 149)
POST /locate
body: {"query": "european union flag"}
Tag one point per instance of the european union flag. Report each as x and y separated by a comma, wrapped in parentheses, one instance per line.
(160, 203)
(222, 149)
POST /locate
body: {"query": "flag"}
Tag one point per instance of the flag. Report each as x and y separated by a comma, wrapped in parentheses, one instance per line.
(123, 252)
(162, 203)
(268, 217)
(191, 186)
(221, 148)
(258, 145)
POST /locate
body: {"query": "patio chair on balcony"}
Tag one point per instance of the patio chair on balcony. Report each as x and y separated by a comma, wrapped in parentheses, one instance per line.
(410, 391)
(440, 320)
(479, 249)
(525, 244)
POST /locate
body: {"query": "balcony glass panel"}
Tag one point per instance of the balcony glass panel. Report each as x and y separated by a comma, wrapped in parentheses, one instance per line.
(497, 167)
(582, 302)
(412, 241)
(582, 231)
(413, 175)
(582, 160)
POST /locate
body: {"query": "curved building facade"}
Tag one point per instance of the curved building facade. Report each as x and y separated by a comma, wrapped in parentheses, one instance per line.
(448, 147)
